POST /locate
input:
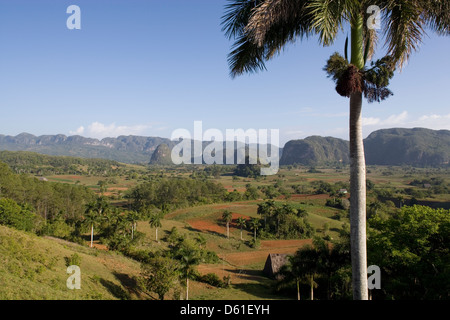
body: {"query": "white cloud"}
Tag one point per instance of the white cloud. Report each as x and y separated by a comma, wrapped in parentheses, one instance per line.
(79, 131)
(393, 120)
(99, 130)
(433, 121)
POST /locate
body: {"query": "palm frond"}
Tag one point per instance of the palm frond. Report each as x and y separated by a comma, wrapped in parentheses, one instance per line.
(245, 57)
(273, 14)
(436, 14)
(249, 56)
(327, 17)
(404, 29)
(237, 14)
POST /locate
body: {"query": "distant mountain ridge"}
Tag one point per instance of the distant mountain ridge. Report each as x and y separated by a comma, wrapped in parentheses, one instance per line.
(127, 149)
(418, 147)
(315, 150)
(397, 146)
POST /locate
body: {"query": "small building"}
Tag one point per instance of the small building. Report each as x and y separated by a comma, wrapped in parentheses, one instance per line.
(43, 179)
(343, 191)
(273, 263)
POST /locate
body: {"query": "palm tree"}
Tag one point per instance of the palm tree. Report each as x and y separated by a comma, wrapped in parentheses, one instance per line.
(266, 209)
(91, 218)
(262, 28)
(227, 217)
(132, 217)
(254, 225)
(188, 259)
(155, 222)
(241, 223)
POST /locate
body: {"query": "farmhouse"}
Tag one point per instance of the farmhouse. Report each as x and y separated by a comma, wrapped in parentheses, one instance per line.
(273, 263)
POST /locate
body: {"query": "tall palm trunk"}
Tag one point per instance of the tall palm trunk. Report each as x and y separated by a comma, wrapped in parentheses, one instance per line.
(298, 289)
(92, 234)
(187, 287)
(357, 173)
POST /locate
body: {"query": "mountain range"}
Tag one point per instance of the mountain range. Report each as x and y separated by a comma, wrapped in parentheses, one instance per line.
(398, 146)
(417, 147)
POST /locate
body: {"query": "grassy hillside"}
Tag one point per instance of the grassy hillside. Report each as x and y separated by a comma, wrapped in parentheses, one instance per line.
(34, 268)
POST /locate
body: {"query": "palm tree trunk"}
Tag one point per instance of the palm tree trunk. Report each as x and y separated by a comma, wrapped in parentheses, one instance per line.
(312, 288)
(92, 234)
(187, 288)
(357, 173)
(156, 234)
(298, 289)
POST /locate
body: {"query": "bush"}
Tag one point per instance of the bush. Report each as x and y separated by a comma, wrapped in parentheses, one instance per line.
(73, 260)
(213, 280)
(13, 215)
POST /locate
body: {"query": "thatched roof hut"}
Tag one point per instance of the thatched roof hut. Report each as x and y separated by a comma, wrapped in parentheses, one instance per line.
(273, 263)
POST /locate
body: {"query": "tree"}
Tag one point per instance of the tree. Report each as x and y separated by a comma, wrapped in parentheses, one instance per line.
(254, 225)
(91, 218)
(266, 209)
(262, 28)
(155, 222)
(132, 217)
(241, 223)
(160, 275)
(227, 217)
(188, 260)
(411, 248)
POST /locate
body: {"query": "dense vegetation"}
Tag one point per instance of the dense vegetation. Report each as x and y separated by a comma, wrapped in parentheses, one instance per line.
(42, 165)
(411, 249)
(175, 193)
(48, 201)
(409, 243)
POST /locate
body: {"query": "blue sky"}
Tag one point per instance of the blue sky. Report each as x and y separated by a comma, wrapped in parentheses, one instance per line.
(147, 67)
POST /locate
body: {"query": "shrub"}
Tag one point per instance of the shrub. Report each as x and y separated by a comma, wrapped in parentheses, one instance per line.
(73, 260)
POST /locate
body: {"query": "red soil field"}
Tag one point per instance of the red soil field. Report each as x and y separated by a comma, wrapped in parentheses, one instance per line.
(267, 246)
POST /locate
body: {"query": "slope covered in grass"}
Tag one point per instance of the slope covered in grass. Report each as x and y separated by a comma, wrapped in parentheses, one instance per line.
(34, 268)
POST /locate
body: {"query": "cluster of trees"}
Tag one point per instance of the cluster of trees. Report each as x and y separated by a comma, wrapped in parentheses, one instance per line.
(283, 221)
(410, 247)
(181, 192)
(276, 222)
(324, 265)
(48, 203)
(63, 210)
(39, 164)
(172, 268)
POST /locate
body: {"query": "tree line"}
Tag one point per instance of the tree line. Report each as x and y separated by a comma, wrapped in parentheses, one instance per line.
(410, 247)
(41, 165)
